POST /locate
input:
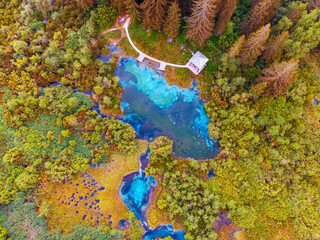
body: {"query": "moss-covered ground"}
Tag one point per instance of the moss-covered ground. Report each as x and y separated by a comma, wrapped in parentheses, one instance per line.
(91, 197)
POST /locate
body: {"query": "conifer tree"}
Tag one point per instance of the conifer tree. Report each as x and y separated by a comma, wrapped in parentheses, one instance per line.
(236, 47)
(254, 45)
(201, 22)
(260, 14)
(159, 14)
(173, 20)
(225, 15)
(147, 11)
(279, 76)
(118, 5)
(133, 9)
(153, 13)
(274, 48)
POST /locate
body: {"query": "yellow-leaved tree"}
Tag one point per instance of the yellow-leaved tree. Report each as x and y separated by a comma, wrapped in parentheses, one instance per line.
(254, 45)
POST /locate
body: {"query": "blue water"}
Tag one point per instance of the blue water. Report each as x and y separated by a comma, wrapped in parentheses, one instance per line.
(154, 108)
(211, 173)
(135, 193)
(123, 224)
(315, 102)
(164, 231)
(105, 58)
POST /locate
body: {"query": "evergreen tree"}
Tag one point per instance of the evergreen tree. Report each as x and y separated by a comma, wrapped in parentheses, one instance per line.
(201, 22)
(236, 47)
(259, 15)
(274, 48)
(119, 5)
(147, 10)
(159, 14)
(185, 6)
(173, 21)
(254, 45)
(153, 13)
(225, 15)
(133, 9)
(278, 77)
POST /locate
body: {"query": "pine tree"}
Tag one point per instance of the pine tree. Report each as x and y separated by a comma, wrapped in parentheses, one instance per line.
(160, 12)
(173, 21)
(260, 14)
(254, 45)
(153, 13)
(147, 10)
(278, 77)
(133, 9)
(201, 22)
(119, 5)
(225, 15)
(274, 48)
(236, 47)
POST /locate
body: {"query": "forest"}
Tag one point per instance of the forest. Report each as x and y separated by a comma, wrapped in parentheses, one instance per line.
(261, 89)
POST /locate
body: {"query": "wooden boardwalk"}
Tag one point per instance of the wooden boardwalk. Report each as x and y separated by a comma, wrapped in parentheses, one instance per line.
(142, 55)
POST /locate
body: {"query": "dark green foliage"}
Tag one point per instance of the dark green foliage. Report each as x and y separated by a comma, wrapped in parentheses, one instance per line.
(36, 25)
(106, 16)
(306, 35)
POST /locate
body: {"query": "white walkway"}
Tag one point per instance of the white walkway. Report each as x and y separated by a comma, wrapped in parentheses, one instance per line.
(142, 55)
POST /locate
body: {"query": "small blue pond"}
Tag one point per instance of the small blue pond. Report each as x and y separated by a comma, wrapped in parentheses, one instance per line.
(315, 102)
(211, 173)
(136, 192)
(153, 108)
(123, 224)
(164, 231)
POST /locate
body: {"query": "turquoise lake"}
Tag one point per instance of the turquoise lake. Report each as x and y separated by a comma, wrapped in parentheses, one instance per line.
(155, 108)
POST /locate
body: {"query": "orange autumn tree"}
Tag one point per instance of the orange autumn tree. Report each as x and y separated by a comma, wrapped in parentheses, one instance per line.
(254, 46)
(159, 14)
(201, 22)
(236, 47)
(260, 14)
(153, 13)
(225, 14)
(147, 12)
(173, 20)
(133, 9)
(279, 76)
(274, 48)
